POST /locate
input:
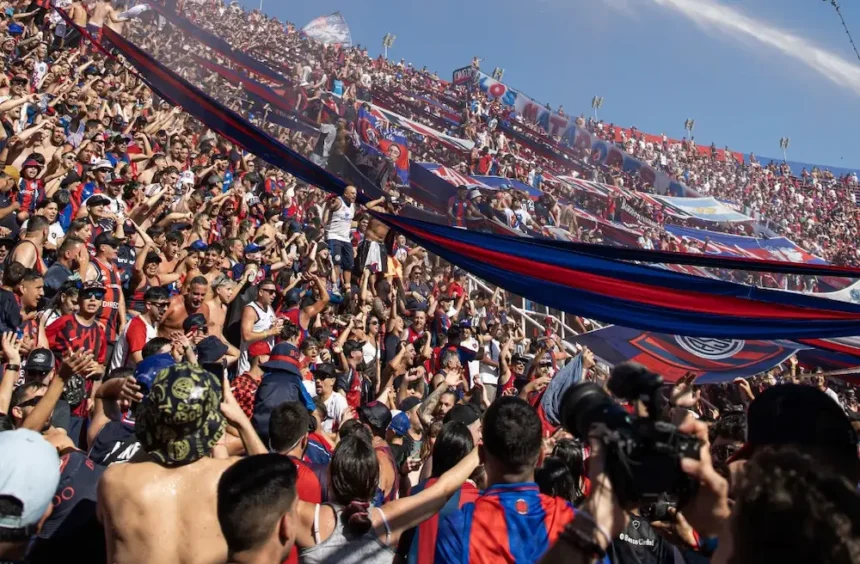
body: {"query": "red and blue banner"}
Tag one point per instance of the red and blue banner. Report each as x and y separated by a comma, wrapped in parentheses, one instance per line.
(329, 30)
(712, 360)
(386, 141)
(218, 45)
(777, 248)
(633, 295)
(595, 284)
(280, 111)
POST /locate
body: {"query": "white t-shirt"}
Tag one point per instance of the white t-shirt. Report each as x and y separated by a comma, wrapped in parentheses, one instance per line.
(334, 407)
(369, 352)
(490, 374)
(135, 335)
(472, 344)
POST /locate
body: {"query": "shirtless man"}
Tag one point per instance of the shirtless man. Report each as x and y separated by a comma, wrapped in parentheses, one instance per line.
(49, 139)
(372, 251)
(210, 266)
(162, 505)
(224, 292)
(173, 242)
(104, 13)
(182, 306)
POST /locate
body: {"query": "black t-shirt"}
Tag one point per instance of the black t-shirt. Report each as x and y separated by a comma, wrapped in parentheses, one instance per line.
(10, 312)
(391, 342)
(638, 543)
(55, 276)
(116, 442)
(73, 527)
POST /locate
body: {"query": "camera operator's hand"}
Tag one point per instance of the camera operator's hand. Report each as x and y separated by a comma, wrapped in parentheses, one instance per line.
(709, 509)
(683, 394)
(676, 530)
(602, 503)
(587, 359)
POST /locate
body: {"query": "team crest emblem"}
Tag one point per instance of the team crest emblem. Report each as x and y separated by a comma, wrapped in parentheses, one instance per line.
(711, 349)
(521, 507)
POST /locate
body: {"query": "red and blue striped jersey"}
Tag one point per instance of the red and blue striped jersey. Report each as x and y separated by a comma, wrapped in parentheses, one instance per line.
(509, 523)
(423, 548)
(458, 209)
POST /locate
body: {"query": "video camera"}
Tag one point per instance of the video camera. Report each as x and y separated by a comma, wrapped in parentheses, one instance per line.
(643, 454)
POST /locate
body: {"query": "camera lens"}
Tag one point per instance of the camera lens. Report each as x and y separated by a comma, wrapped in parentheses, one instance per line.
(585, 404)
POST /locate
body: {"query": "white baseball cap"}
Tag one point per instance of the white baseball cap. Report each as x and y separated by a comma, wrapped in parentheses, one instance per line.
(29, 473)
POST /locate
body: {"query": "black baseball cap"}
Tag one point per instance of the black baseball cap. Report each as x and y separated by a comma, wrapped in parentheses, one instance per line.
(152, 257)
(105, 238)
(324, 371)
(97, 200)
(376, 415)
(350, 346)
(41, 360)
(409, 403)
(792, 414)
(465, 413)
(194, 321)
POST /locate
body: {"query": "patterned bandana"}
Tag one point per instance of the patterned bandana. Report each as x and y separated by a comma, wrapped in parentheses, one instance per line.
(180, 421)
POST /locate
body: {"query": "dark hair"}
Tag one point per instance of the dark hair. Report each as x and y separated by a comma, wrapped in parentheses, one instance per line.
(155, 231)
(349, 427)
(289, 331)
(19, 392)
(121, 372)
(173, 237)
(791, 508)
(37, 223)
(253, 495)
(154, 345)
(452, 445)
(77, 225)
(156, 293)
(13, 507)
(288, 423)
(512, 433)
(62, 198)
(217, 248)
(570, 452)
(554, 479)
(732, 427)
(68, 243)
(199, 281)
(14, 273)
(354, 479)
(31, 275)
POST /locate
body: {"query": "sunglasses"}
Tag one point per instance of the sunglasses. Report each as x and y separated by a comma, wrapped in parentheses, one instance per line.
(30, 402)
(202, 329)
(372, 323)
(268, 290)
(159, 305)
(90, 295)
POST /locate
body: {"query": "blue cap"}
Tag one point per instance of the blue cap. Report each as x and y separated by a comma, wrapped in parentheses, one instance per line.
(198, 245)
(252, 248)
(293, 297)
(147, 369)
(400, 424)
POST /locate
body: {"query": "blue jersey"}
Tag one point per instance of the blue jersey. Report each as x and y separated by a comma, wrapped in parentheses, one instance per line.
(512, 523)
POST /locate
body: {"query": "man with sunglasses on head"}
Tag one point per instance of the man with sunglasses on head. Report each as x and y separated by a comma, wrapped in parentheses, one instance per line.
(81, 331)
(141, 329)
(259, 322)
(103, 270)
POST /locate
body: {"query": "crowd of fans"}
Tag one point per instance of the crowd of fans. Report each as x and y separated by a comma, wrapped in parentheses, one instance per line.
(206, 360)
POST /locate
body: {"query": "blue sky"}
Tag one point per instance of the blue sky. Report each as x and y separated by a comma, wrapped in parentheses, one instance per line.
(747, 72)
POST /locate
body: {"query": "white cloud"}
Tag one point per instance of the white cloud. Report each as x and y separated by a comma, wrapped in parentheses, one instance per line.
(716, 17)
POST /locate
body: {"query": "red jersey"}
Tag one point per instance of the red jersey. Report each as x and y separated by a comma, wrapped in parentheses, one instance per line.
(109, 315)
